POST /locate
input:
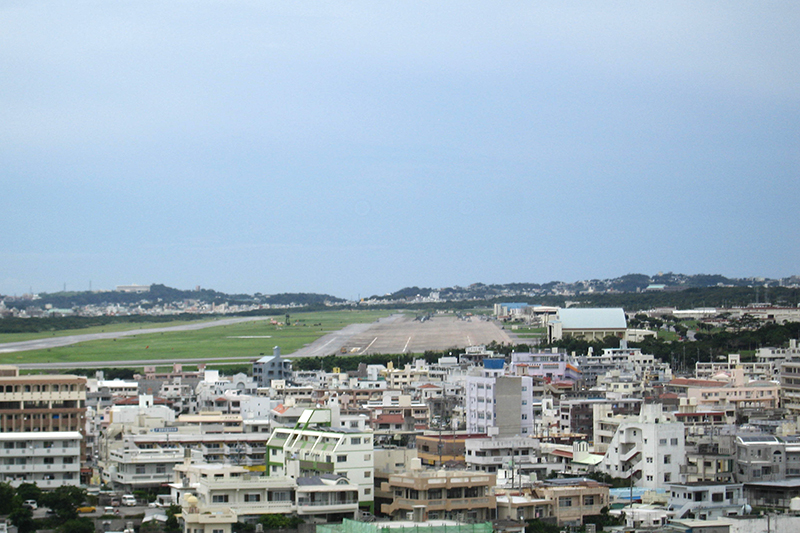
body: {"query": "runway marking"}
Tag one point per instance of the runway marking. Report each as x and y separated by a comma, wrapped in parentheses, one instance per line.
(406, 346)
(368, 345)
(327, 343)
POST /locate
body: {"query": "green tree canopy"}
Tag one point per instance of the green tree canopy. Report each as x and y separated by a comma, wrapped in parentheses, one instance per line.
(64, 501)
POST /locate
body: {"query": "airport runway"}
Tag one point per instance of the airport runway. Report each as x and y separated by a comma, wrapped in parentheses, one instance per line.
(55, 342)
(402, 334)
(390, 335)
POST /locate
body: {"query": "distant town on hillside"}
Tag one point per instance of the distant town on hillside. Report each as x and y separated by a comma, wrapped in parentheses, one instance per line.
(631, 291)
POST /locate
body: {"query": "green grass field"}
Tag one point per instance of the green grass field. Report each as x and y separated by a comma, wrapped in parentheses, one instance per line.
(222, 341)
(125, 326)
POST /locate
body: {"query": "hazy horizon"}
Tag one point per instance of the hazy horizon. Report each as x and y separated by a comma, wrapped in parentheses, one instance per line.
(356, 149)
(421, 287)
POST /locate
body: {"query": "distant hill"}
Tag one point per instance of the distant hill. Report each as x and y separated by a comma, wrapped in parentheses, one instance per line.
(630, 290)
(163, 294)
(590, 290)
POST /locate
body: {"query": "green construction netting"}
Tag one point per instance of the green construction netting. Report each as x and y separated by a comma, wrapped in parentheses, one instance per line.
(352, 526)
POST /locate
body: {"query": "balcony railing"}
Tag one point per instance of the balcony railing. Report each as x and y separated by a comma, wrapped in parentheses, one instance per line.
(303, 502)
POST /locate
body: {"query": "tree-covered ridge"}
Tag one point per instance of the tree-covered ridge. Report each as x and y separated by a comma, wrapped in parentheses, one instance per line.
(162, 294)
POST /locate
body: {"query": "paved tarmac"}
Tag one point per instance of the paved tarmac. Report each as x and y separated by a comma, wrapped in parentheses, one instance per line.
(390, 335)
(404, 334)
(55, 342)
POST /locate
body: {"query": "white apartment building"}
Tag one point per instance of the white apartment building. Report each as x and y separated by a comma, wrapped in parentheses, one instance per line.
(758, 371)
(618, 385)
(705, 500)
(625, 359)
(134, 468)
(497, 404)
(147, 459)
(521, 454)
(319, 445)
(50, 459)
(326, 497)
(403, 378)
(648, 448)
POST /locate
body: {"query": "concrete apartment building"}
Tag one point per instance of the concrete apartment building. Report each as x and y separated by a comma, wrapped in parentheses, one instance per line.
(222, 488)
(319, 444)
(441, 494)
(53, 407)
(576, 417)
(494, 453)
(790, 386)
(272, 367)
(758, 371)
(761, 458)
(648, 448)
(626, 359)
(41, 402)
(709, 458)
(728, 390)
(706, 500)
(50, 459)
(564, 502)
(497, 404)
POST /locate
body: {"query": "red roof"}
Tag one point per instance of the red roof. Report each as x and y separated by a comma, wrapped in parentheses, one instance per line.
(388, 419)
(697, 382)
(134, 400)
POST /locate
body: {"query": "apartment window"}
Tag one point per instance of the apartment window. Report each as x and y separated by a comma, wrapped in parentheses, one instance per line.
(161, 469)
(273, 451)
(650, 460)
(673, 441)
(341, 458)
(366, 473)
(667, 459)
(367, 491)
(217, 531)
(649, 478)
(355, 441)
(219, 498)
(140, 469)
(367, 456)
(667, 477)
(588, 500)
(662, 442)
(565, 502)
(49, 461)
(252, 498)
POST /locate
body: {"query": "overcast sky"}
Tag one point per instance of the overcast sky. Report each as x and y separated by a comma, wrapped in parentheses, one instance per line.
(356, 148)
